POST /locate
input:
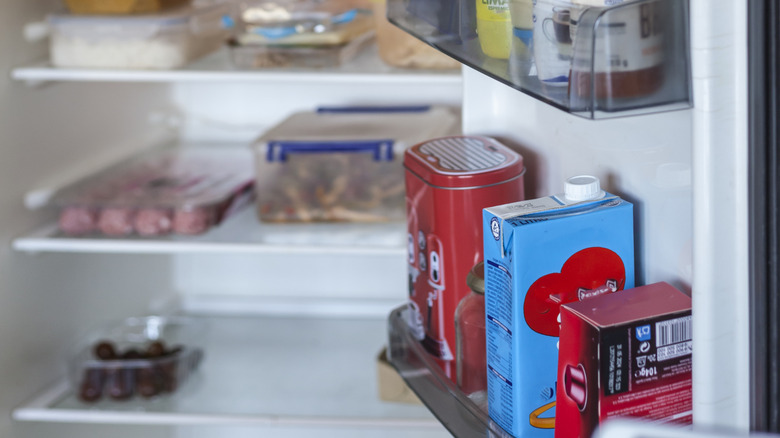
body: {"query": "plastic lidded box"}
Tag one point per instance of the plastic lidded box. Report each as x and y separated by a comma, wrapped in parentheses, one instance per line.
(308, 56)
(300, 34)
(183, 190)
(285, 19)
(150, 41)
(138, 357)
(342, 164)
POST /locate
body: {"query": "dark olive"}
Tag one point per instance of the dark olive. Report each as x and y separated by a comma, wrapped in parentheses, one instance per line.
(168, 370)
(149, 381)
(155, 349)
(132, 353)
(104, 350)
(120, 382)
(92, 385)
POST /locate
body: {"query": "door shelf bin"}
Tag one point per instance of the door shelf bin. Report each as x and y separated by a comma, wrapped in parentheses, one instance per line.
(457, 412)
(631, 58)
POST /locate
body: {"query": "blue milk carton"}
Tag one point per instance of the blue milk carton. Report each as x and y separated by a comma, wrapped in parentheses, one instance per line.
(540, 254)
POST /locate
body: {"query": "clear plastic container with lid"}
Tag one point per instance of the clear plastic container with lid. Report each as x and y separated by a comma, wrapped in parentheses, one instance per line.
(249, 55)
(183, 190)
(342, 164)
(150, 41)
(141, 357)
(300, 34)
(471, 353)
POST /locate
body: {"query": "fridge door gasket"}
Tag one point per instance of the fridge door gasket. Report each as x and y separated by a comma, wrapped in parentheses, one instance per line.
(764, 95)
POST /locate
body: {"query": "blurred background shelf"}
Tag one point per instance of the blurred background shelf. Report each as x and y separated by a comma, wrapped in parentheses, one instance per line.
(242, 234)
(216, 67)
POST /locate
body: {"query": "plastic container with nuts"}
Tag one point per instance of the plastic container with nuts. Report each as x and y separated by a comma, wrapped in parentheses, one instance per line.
(145, 357)
(185, 190)
(342, 164)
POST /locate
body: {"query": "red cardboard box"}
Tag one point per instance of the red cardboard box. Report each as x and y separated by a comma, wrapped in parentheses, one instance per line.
(625, 354)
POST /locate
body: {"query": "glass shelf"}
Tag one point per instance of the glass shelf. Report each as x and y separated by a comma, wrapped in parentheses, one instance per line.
(595, 62)
(258, 370)
(461, 415)
(366, 68)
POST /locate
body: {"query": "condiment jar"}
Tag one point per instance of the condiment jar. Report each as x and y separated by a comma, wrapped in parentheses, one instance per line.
(471, 355)
(626, 58)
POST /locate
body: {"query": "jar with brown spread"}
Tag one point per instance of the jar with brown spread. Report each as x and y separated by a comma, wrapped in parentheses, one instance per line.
(626, 58)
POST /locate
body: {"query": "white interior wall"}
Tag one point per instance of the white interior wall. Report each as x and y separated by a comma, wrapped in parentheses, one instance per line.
(646, 160)
(47, 300)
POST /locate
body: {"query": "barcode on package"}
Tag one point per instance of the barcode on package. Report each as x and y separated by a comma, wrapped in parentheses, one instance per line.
(672, 331)
(673, 338)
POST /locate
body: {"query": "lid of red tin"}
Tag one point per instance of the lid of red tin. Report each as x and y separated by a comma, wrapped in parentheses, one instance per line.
(463, 162)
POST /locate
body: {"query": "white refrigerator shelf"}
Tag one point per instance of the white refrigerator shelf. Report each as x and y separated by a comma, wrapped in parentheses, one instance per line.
(277, 371)
(366, 68)
(239, 234)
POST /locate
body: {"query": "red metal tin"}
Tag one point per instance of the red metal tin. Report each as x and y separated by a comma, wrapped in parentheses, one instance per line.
(449, 181)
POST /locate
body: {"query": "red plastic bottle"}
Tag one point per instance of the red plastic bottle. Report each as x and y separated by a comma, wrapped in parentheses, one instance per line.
(471, 362)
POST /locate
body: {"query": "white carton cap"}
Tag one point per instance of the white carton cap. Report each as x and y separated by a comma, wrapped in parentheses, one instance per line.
(583, 188)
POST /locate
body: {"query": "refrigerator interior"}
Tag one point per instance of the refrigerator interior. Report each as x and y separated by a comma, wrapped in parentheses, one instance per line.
(297, 351)
(679, 168)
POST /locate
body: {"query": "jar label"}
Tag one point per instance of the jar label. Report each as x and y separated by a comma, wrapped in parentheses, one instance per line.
(627, 39)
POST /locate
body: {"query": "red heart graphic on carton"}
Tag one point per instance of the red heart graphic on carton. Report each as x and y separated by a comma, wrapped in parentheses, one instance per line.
(588, 272)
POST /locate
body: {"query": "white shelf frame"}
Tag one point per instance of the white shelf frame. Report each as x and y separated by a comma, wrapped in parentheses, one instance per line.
(241, 234)
(367, 68)
(40, 409)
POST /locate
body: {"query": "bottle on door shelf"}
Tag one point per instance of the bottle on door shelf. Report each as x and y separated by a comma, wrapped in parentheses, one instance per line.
(471, 362)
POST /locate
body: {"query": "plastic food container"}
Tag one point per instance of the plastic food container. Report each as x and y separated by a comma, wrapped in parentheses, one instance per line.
(308, 56)
(342, 164)
(155, 41)
(309, 27)
(121, 6)
(170, 190)
(302, 34)
(139, 357)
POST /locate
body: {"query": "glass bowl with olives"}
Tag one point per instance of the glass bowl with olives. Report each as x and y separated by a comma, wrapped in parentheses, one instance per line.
(140, 357)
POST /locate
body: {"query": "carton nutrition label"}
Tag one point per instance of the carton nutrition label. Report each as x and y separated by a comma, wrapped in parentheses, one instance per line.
(499, 334)
(499, 342)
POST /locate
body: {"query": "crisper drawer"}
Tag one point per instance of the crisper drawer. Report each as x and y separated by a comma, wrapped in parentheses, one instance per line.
(582, 56)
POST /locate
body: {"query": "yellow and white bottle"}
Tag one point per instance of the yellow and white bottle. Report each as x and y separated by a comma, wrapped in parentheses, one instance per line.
(494, 28)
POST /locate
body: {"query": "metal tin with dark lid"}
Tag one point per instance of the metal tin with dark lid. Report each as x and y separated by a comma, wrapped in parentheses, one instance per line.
(449, 180)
